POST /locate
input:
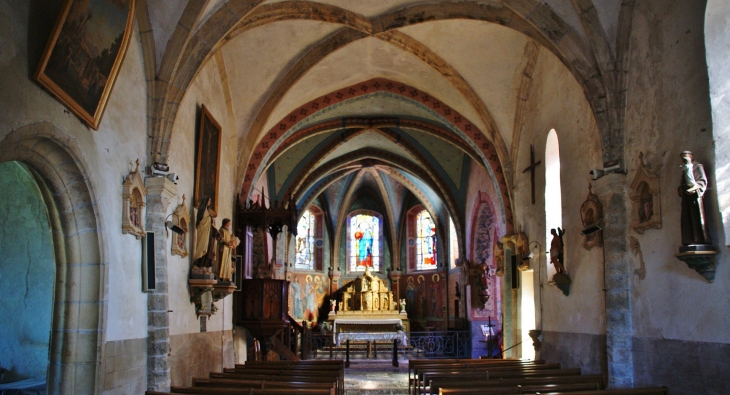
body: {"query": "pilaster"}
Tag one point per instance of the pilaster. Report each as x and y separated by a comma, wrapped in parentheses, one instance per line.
(160, 191)
(611, 190)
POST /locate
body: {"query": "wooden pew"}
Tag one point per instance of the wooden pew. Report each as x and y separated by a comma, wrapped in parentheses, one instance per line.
(423, 375)
(417, 365)
(243, 391)
(456, 382)
(309, 377)
(521, 389)
(631, 391)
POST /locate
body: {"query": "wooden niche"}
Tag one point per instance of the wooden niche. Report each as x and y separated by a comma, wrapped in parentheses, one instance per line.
(133, 196)
(646, 210)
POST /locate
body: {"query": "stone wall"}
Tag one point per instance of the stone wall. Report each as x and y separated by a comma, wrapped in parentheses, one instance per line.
(575, 350)
(688, 368)
(125, 363)
(197, 354)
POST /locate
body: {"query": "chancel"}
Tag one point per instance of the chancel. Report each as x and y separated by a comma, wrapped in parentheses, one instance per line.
(196, 191)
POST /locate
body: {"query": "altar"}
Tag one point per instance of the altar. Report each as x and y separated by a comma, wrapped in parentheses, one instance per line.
(369, 313)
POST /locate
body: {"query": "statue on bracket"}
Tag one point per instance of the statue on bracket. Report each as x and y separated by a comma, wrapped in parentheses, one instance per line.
(561, 278)
(206, 241)
(591, 213)
(646, 213)
(133, 195)
(697, 249)
(180, 218)
(498, 254)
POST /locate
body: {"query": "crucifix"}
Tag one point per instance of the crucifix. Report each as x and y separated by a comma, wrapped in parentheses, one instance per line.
(531, 169)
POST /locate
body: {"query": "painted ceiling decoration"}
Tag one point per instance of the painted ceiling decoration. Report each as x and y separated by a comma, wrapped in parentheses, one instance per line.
(299, 152)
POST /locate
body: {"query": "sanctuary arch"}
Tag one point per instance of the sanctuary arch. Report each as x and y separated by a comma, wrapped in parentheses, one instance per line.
(77, 329)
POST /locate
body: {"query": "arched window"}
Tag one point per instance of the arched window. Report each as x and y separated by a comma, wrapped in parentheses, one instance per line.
(304, 248)
(453, 244)
(553, 197)
(364, 241)
(425, 241)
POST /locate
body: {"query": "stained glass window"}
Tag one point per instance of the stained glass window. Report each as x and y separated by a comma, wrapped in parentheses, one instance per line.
(364, 242)
(425, 241)
(304, 249)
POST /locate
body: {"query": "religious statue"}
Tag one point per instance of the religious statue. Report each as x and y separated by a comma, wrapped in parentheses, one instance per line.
(498, 254)
(402, 305)
(206, 237)
(228, 243)
(692, 189)
(556, 250)
(333, 304)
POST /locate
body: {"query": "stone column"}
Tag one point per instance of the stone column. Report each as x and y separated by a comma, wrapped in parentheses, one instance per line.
(611, 190)
(159, 192)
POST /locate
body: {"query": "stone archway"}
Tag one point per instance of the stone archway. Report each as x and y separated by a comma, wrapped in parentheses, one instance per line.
(77, 329)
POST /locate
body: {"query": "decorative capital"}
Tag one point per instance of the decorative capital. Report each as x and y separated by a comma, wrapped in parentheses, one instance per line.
(160, 187)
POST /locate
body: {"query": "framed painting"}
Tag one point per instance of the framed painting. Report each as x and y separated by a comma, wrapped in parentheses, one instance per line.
(84, 54)
(208, 157)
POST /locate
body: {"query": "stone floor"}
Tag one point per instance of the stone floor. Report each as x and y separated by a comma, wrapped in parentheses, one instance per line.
(376, 377)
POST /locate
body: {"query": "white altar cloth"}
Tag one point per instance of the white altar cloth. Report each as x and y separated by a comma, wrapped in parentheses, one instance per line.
(372, 336)
(360, 321)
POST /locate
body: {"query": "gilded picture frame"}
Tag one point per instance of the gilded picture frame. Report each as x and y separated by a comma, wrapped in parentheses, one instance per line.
(208, 157)
(83, 56)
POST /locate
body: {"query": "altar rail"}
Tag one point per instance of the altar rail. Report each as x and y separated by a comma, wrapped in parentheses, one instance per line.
(431, 344)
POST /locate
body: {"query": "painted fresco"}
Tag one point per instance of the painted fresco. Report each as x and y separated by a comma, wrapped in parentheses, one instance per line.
(425, 300)
(484, 224)
(307, 296)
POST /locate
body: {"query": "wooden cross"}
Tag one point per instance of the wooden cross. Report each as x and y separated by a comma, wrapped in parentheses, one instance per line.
(531, 169)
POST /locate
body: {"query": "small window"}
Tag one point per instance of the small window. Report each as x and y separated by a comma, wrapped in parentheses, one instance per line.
(425, 241)
(364, 235)
(305, 242)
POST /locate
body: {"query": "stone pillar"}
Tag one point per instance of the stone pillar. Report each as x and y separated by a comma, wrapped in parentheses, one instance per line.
(611, 190)
(159, 192)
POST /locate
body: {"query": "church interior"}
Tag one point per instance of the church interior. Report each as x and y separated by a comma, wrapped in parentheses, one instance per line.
(499, 171)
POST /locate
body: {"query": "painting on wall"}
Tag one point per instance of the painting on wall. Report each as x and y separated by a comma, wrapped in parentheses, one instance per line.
(84, 54)
(425, 294)
(307, 293)
(207, 160)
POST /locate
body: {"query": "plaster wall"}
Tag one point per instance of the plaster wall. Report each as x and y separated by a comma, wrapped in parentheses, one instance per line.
(669, 111)
(558, 102)
(717, 37)
(121, 138)
(27, 272)
(206, 90)
(480, 181)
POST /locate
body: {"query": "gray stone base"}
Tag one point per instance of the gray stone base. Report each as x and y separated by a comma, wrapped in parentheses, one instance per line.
(125, 366)
(575, 350)
(685, 367)
(197, 354)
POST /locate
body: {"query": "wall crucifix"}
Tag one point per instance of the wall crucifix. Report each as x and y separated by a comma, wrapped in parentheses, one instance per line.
(531, 169)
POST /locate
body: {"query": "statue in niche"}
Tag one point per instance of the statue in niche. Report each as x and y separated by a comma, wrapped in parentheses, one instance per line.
(692, 189)
(180, 218)
(591, 212)
(133, 192)
(206, 240)
(498, 254)
(556, 250)
(645, 188)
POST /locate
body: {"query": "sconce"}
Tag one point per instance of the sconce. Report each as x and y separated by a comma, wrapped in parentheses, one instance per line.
(525, 264)
(170, 225)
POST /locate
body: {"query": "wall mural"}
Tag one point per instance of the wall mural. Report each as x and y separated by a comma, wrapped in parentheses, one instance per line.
(484, 225)
(424, 295)
(307, 296)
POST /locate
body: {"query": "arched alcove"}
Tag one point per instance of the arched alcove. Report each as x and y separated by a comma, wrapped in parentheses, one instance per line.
(77, 331)
(28, 273)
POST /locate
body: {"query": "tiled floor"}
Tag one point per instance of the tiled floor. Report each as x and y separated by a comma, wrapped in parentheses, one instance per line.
(376, 377)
